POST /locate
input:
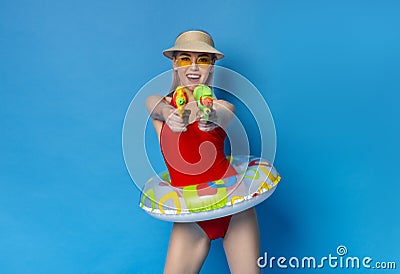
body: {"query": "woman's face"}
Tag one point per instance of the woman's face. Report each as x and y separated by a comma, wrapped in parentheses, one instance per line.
(193, 68)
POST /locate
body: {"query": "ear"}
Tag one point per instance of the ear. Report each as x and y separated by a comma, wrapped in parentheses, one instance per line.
(174, 63)
(212, 68)
(212, 64)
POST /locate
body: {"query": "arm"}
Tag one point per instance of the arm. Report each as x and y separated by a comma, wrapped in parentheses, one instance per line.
(158, 107)
(224, 112)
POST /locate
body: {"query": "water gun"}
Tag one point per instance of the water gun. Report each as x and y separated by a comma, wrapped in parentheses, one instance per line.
(180, 99)
(204, 97)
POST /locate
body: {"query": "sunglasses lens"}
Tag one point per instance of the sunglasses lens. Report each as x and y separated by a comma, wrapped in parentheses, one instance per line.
(201, 61)
(184, 61)
(205, 61)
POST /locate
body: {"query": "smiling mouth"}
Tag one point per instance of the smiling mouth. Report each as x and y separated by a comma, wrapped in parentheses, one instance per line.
(193, 76)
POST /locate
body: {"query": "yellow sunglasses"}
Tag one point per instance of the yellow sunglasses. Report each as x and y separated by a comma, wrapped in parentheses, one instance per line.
(202, 61)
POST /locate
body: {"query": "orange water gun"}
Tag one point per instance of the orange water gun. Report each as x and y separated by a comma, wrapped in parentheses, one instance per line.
(180, 99)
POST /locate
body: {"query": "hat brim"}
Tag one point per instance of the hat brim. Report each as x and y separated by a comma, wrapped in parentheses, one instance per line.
(193, 46)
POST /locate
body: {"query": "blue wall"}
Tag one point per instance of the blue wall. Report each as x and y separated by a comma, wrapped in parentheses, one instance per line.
(69, 69)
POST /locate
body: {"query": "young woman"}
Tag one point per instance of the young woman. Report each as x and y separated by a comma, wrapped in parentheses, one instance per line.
(182, 139)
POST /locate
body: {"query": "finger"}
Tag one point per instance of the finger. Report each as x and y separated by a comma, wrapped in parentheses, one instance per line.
(205, 129)
(186, 120)
(212, 117)
(212, 114)
(177, 128)
(173, 123)
(206, 125)
(200, 118)
(175, 117)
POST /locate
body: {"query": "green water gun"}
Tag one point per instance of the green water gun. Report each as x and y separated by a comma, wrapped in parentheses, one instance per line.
(204, 97)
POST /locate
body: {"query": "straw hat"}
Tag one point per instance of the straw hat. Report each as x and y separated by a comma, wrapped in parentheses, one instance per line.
(194, 41)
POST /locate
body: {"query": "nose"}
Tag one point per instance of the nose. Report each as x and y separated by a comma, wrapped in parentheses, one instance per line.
(194, 65)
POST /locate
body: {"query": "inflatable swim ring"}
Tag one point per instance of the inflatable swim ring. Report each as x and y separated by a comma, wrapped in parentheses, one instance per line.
(256, 181)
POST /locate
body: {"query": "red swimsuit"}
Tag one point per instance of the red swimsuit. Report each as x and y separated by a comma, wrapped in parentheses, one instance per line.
(193, 157)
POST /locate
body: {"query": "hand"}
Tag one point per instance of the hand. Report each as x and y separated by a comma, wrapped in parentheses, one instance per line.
(207, 125)
(174, 121)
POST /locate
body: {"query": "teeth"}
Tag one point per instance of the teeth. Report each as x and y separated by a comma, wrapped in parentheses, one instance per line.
(193, 76)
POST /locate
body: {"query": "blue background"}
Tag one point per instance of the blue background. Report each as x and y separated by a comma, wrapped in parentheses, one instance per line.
(68, 70)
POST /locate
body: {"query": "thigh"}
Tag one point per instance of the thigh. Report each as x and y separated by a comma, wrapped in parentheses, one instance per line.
(242, 242)
(187, 250)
